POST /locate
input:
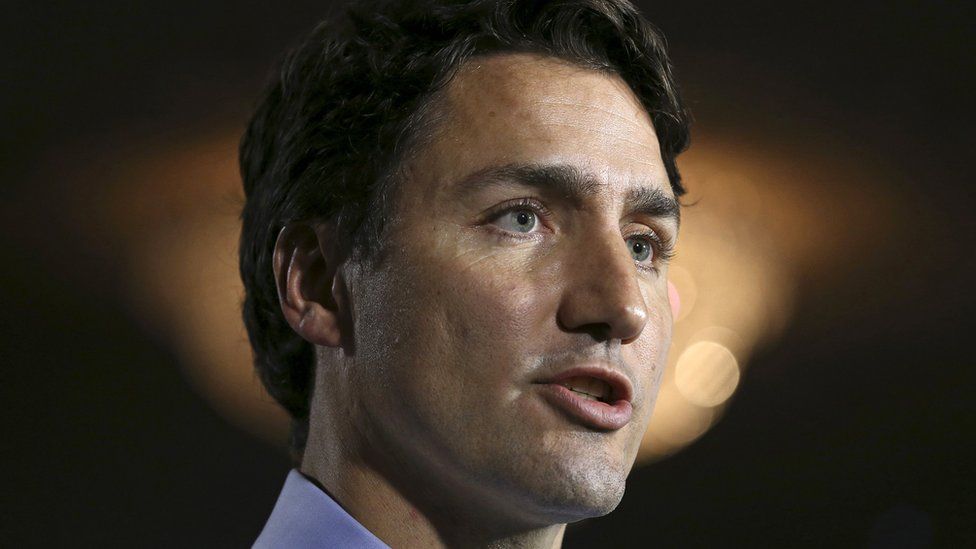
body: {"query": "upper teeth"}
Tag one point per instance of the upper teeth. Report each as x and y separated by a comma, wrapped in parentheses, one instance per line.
(587, 386)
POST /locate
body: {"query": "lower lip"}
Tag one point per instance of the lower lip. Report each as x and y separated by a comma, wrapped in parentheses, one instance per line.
(608, 416)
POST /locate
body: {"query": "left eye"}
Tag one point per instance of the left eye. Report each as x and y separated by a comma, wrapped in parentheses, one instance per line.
(640, 248)
(518, 221)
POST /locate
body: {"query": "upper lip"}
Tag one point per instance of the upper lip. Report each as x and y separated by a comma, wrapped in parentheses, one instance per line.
(621, 388)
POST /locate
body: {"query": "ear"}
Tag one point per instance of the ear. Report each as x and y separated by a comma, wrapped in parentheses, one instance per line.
(306, 262)
(674, 299)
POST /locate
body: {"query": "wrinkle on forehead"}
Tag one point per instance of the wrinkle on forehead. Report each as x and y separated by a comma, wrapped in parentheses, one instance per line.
(527, 108)
(629, 119)
(592, 129)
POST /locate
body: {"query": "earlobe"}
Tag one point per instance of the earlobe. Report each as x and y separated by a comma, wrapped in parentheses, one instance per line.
(674, 299)
(305, 269)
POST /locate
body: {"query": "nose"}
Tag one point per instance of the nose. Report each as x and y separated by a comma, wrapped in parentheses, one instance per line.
(603, 295)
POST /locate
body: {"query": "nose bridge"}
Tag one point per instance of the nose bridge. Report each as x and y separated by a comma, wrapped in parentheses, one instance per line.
(605, 292)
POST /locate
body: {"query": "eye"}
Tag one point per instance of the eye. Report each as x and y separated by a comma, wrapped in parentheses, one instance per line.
(641, 247)
(517, 220)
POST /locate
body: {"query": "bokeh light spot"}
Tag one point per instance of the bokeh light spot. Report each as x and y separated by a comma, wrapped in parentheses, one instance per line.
(707, 373)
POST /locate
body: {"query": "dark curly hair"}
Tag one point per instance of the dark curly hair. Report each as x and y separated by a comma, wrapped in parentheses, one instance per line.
(358, 94)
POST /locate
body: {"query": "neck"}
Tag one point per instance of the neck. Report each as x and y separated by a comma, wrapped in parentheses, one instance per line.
(427, 511)
(399, 522)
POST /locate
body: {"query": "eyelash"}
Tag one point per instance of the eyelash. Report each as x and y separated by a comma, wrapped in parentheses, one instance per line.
(663, 252)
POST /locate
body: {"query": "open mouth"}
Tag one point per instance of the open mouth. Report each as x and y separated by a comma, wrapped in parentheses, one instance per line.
(596, 398)
(588, 388)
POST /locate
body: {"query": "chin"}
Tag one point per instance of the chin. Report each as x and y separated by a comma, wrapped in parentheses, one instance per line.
(582, 502)
(577, 491)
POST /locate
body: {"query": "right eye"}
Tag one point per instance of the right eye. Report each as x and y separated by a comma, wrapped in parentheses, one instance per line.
(517, 220)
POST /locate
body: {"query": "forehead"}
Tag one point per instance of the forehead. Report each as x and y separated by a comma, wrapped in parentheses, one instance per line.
(528, 109)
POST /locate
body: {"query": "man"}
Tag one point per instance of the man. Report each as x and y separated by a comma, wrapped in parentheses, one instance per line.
(454, 247)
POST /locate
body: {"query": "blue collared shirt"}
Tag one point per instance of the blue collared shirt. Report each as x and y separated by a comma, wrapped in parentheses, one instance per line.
(307, 517)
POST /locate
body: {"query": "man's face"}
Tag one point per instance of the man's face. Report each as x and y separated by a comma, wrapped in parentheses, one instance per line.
(522, 247)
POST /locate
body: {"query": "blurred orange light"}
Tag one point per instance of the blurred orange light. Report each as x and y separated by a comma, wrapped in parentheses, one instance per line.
(707, 373)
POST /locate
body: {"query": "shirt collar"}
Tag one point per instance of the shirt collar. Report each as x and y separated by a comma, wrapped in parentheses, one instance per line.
(306, 517)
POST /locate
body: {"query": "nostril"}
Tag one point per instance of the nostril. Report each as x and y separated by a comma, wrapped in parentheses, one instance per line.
(600, 331)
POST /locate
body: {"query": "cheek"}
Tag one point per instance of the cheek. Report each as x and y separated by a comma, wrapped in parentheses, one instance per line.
(497, 314)
(454, 327)
(649, 353)
(659, 329)
(493, 305)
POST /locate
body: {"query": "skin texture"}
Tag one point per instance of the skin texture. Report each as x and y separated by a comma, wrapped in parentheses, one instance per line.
(426, 423)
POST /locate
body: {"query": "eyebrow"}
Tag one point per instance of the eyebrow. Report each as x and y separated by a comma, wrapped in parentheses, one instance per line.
(572, 183)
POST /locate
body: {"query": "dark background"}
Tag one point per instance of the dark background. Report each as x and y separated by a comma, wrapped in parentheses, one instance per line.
(852, 429)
